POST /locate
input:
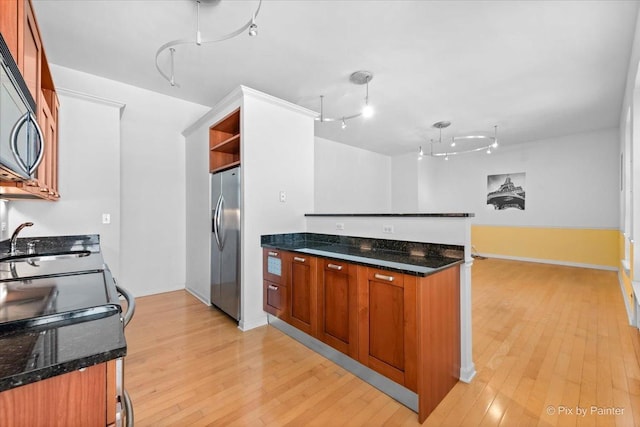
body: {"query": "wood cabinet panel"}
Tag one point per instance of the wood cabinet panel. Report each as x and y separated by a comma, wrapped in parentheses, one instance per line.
(439, 325)
(337, 305)
(387, 324)
(275, 299)
(386, 320)
(74, 399)
(301, 283)
(11, 24)
(30, 63)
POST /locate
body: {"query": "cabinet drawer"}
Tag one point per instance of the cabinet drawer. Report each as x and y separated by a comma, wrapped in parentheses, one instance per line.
(273, 266)
(275, 299)
(386, 276)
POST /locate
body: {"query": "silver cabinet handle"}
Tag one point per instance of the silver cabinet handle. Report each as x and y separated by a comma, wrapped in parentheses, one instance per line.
(273, 288)
(273, 253)
(334, 267)
(298, 259)
(383, 277)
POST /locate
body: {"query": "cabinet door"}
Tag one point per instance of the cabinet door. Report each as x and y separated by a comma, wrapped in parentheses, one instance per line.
(301, 284)
(30, 62)
(387, 334)
(337, 306)
(11, 24)
(275, 299)
(74, 399)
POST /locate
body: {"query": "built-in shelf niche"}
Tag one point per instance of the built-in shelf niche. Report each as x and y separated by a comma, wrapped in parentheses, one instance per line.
(224, 143)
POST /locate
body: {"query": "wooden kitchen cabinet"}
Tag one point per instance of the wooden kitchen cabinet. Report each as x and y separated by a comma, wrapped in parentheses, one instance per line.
(387, 324)
(47, 174)
(301, 284)
(20, 30)
(405, 327)
(12, 24)
(82, 398)
(275, 293)
(224, 143)
(338, 306)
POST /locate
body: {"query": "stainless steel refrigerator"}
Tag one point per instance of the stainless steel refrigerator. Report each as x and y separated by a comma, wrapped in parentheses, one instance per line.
(225, 241)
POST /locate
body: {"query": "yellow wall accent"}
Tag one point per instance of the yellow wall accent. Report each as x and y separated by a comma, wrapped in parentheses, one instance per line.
(574, 245)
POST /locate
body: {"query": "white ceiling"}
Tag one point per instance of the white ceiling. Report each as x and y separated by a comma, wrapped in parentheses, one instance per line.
(537, 69)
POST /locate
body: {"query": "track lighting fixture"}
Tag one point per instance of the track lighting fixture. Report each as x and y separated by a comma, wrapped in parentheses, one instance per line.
(199, 41)
(359, 78)
(459, 142)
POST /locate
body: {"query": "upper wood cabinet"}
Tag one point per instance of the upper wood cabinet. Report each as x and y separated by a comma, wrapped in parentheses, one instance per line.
(224, 143)
(19, 28)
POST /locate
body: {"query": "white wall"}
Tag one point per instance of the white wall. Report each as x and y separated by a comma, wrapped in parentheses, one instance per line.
(350, 179)
(404, 185)
(572, 181)
(89, 178)
(148, 169)
(277, 155)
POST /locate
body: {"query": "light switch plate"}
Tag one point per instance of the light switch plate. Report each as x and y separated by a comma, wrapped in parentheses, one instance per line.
(106, 218)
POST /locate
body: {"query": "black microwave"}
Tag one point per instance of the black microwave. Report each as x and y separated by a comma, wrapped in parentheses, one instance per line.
(21, 140)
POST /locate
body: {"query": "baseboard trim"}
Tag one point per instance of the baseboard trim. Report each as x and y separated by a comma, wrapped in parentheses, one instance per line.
(550, 261)
(252, 324)
(627, 304)
(382, 383)
(466, 375)
(197, 295)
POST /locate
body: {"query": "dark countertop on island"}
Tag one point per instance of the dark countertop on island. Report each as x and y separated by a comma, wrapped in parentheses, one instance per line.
(414, 258)
(69, 316)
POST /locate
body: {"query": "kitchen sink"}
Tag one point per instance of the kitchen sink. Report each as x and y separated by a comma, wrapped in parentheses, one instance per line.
(48, 256)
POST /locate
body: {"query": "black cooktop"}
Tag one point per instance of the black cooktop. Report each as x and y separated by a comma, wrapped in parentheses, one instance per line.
(31, 302)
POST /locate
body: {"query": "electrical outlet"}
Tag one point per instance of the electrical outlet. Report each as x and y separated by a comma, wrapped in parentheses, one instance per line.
(106, 218)
(339, 226)
(283, 196)
(387, 229)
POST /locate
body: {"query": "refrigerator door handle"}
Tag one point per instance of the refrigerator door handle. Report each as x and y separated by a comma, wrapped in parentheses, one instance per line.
(220, 224)
(216, 223)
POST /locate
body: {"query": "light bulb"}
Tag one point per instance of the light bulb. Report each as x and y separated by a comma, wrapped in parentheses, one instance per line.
(253, 30)
(367, 111)
(446, 157)
(453, 144)
(420, 153)
(488, 150)
(344, 124)
(495, 144)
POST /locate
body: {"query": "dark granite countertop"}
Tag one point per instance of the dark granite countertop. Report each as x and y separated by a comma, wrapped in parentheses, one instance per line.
(414, 258)
(57, 316)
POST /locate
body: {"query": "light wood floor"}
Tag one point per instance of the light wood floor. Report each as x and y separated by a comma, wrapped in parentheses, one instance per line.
(546, 339)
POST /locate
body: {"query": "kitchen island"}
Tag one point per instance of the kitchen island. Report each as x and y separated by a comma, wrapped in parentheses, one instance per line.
(386, 310)
(61, 333)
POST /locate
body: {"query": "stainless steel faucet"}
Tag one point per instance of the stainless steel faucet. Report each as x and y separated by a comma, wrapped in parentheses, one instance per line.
(14, 236)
